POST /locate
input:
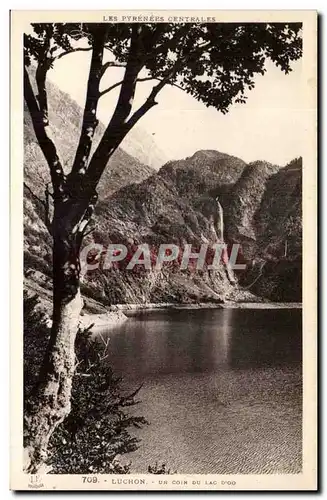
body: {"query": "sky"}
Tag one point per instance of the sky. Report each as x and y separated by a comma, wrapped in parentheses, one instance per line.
(270, 126)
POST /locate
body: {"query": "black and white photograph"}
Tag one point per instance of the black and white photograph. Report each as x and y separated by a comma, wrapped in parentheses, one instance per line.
(166, 187)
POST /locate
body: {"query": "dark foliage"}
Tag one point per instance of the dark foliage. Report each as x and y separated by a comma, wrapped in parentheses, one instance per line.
(216, 63)
(96, 432)
(36, 336)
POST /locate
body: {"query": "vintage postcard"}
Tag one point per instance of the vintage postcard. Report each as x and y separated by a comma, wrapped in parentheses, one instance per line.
(163, 250)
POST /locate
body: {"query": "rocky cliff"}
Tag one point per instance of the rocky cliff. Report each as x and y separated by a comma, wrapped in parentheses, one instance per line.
(264, 215)
(279, 234)
(177, 206)
(205, 198)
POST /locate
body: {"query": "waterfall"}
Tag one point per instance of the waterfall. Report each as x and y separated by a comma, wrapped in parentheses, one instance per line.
(220, 221)
(220, 234)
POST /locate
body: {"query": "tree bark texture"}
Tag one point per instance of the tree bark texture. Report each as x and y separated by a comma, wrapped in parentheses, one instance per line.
(49, 403)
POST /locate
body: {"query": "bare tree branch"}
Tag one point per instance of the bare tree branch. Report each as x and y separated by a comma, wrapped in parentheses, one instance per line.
(48, 221)
(42, 131)
(147, 46)
(145, 79)
(85, 220)
(67, 52)
(112, 135)
(45, 203)
(90, 121)
(146, 106)
(111, 64)
(86, 233)
(133, 67)
(117, 84)
(41, 74)
(121, 122)
(39, 200)
(150, 102)
(85, 49)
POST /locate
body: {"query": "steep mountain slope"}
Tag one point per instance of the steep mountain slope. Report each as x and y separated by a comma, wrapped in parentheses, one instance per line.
(279, 220)
(189, 201)
(164, 208)
(264, 214)
(141, 145)
(65, 118)
(168, 202)
(242, 204)
(279, 226)
(175, 206)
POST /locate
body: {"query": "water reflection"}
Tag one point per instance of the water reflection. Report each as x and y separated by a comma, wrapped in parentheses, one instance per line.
(222, 389)
(266, 337)
(180, 341)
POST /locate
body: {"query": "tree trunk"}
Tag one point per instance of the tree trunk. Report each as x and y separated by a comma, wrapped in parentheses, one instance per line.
(49, 403)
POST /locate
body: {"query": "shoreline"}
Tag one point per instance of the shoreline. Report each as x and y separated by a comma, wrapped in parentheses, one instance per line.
(110, 319)
(206, 305)
(263, 305)
(116, 314)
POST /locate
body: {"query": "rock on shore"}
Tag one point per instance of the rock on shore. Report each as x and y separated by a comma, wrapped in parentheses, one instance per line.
(101, 321)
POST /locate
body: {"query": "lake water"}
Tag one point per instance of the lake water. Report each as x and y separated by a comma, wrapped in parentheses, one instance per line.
(222, 388)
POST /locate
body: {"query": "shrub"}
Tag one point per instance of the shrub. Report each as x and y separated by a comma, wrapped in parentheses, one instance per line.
(36, 336)
(96, 432)
(37, 263)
